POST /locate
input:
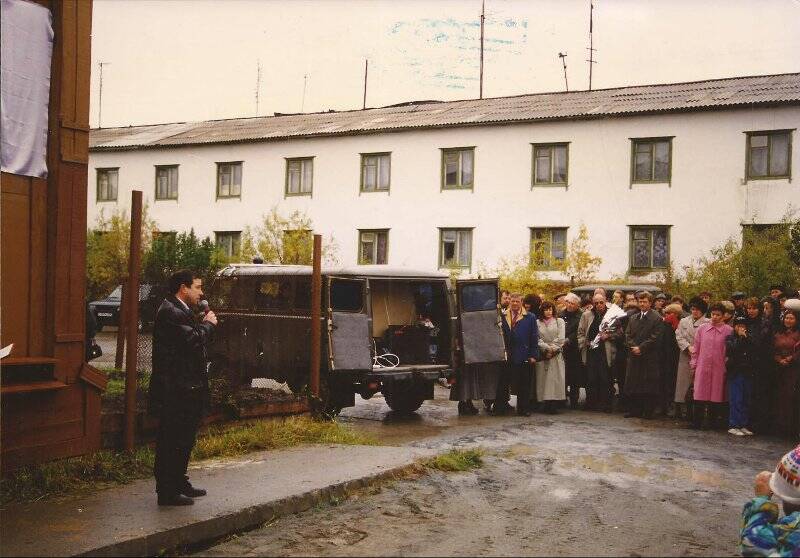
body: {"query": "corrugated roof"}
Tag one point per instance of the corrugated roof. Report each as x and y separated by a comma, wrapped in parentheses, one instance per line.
(646, 99)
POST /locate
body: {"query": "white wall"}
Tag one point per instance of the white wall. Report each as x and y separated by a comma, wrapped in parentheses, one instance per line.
(705, 203)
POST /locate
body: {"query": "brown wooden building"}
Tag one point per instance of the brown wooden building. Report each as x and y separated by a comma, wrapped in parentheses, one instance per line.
(50, 396)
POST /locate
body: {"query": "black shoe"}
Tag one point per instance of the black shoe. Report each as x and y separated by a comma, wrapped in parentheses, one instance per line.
(501, 410)
(471, 408)
(174, 500)
(487, 404)
(192, 492)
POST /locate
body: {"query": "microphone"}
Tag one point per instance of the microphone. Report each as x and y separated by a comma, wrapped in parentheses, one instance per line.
(203, 306)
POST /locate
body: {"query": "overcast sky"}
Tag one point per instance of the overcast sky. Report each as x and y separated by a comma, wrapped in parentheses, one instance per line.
(187, 60)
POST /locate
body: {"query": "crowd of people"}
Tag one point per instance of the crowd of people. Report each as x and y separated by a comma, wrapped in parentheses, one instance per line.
(732, 364)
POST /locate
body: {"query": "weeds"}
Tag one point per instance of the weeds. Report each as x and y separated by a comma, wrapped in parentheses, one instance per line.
(456, 460)
(105, 467)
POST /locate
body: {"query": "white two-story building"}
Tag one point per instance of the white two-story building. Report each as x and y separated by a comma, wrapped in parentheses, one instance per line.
(656, 173)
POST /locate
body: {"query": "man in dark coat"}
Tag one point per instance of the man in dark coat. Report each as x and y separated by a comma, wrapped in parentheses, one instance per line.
(522, 340)
(575, 374)
(642, 376)
(179, 391)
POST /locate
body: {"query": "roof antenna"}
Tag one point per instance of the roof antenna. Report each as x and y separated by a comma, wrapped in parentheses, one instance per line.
(563, 56)
(303, 102)
(591, 50)
(258, 82)
(483, 17)
(366, 67)
(100, 99)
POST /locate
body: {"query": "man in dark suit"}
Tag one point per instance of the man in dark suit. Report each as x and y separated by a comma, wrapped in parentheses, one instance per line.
(522, 343)
(642, 376)
(179, 391)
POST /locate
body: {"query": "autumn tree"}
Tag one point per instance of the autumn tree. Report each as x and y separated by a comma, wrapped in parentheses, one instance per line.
(279, 239)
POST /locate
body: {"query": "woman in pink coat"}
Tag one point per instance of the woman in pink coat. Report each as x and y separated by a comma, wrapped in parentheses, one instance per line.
(708, 363)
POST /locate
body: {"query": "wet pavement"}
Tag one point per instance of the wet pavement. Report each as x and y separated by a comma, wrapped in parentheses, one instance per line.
(578, 483)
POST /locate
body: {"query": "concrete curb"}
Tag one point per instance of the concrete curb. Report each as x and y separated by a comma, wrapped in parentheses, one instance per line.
(241, 520)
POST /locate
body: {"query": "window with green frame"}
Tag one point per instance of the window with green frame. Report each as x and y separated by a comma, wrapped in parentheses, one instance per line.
(651, 160)
(229, 242)
(458, 168)
(769, 154)
(299, 176)
(375, 172)
(107, 180)
(550, 161)
(229, 180)
(548, 246)
(373, 246)
(167, 182)
(649, 248)
(455, 248)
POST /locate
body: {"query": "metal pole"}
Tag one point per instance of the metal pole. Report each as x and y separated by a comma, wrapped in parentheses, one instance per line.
(482, 19)
(564, 61)
(132, 318)
(100, 96)
(316, 316)
(366, 68)
(123, 302)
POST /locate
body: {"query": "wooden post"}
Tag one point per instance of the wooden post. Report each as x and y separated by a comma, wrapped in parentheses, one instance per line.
(121, 327)
(316, 316)
(132, 318)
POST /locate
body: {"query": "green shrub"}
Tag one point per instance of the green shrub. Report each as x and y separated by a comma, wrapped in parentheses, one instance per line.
(456, 460)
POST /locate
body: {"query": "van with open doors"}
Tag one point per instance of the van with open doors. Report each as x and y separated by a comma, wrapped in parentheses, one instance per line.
(388, 330)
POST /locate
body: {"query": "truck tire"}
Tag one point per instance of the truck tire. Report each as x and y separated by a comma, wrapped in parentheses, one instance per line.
(404, 399)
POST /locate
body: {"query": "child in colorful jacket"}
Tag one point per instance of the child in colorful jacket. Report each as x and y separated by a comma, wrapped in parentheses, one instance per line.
(764, 532)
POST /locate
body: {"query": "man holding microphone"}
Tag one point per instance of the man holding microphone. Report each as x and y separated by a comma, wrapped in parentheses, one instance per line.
(179, 392)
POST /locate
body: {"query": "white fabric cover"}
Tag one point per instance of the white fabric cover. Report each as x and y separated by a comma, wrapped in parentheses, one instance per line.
(26, 40)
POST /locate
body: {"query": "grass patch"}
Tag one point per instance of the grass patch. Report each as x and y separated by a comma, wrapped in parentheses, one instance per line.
(265, 435)
(69, 476)
(106, 468)
(456, 460)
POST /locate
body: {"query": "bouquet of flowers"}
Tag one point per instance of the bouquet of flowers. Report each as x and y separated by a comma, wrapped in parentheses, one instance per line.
(608, 323)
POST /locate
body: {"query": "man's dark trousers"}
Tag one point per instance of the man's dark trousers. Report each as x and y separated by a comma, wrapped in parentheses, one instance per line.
(177, 432)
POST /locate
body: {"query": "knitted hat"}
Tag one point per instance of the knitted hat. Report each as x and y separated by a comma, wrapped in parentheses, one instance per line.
(785, 481)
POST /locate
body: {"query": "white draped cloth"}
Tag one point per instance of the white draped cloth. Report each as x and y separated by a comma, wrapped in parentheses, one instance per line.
(26, 45)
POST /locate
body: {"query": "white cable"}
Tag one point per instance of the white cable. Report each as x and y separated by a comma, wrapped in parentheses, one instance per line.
(384, 360)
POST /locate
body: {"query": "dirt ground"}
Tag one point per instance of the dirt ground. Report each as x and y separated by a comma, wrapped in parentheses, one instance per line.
(578, 483)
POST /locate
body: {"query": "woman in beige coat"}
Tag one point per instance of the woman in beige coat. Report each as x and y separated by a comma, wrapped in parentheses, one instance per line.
(550, 371)
(684, 335)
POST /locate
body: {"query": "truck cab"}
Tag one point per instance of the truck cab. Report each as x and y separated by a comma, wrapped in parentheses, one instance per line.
(389, 330)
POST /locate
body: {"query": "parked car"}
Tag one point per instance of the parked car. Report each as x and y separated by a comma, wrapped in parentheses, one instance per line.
(264, 331)
(106, 310)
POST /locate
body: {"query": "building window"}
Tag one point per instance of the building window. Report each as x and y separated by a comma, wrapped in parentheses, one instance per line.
(649, 248)
(299, 176)
(107, 184)
(651, 160)
(458, 167)
(455, 248)
(229, 242)
(167, 182)
(298, 247)
(373, 246)
(550, 164)
(548, 246)
(769, 154)
(375, 172)
(229, 180)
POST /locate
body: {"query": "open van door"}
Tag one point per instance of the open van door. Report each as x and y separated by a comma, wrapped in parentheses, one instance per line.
(349, 335)
(480, 322)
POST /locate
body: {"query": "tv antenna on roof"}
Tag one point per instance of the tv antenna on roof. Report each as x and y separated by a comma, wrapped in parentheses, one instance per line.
(591, 50)
(258, 83)
(100, 97)
(483, 17)
(305, 83)
(563, 57)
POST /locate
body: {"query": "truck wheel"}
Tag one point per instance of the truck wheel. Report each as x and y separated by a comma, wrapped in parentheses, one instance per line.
(403, 400)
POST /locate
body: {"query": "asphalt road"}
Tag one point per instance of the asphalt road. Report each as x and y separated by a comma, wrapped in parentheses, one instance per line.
(579, 483)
